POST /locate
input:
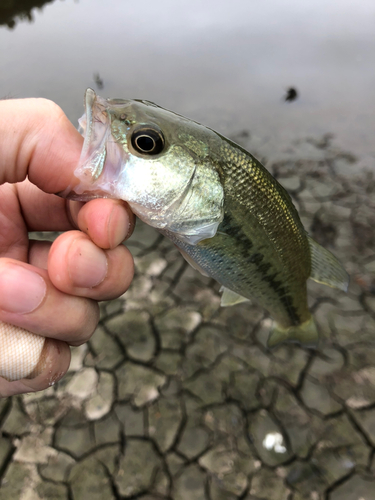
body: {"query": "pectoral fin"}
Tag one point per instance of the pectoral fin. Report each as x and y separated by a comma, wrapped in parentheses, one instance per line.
(326, 268)
(230, 298)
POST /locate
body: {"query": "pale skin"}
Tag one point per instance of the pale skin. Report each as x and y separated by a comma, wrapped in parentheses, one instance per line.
(53, 289)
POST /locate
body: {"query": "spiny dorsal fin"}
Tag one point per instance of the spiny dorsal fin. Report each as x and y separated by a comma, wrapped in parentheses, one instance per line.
(230, 298)
(326, 268)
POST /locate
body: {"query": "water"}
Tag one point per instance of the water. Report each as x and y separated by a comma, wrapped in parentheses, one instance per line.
(227, 65)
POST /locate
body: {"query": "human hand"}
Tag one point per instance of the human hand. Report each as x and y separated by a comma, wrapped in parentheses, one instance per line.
(52, 289)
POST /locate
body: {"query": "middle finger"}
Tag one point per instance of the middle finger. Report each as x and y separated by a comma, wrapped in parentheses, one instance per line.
(78, 267)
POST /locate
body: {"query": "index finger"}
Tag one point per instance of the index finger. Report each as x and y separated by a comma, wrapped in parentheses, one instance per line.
(39, 142)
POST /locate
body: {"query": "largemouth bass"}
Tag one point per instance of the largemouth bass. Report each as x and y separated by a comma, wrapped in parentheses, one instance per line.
(224, 211)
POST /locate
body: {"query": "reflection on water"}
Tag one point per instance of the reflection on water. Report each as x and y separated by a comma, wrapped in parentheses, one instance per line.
(12, 11)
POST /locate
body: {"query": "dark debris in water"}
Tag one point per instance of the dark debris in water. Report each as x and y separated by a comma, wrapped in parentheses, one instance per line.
(98, 81)
(291, 94)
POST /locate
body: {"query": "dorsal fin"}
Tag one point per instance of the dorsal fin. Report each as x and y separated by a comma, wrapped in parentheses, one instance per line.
(326, 268)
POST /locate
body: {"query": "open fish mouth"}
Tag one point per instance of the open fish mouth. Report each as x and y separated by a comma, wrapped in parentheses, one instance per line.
(101, 157)
(94, 125)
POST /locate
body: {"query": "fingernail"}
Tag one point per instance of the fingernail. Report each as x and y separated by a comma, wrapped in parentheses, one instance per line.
(22, 290)
(88, 264)
(119, 226)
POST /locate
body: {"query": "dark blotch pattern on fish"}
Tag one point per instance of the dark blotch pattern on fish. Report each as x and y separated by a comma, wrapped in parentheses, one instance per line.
(245, 246)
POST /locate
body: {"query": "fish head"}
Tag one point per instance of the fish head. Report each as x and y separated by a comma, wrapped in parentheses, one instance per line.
(156, 160)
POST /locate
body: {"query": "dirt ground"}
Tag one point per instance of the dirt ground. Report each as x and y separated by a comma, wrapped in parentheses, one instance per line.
(177, 398)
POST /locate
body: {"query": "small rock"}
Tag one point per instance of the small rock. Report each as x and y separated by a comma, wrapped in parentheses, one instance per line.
(328, 362)
(133, 329)
(89, 479)
(139, 383)
(243, 387)
(266, 484)
(161, 484)
(268, 439)
(224, 420)
(175, 463)
(16, 422)
(165, 417)
(207, 346)
(57, 468)
(83, 383)
(228, 467)
(75, 441)
(31, 449)
(107, 350)
(366, 420)
(175, 326)
(109, 456)
(150, 264)
(100, 403)
(169, 362)
(207, 388)
(290, 183)
(306, 480)
(131, 418)
(107, 430)
(287, 362)
(193, 441)
(50, 491)
(6, 448)
(137, 468)
(190, 484)
(317, 397)
(359, 487)
(20, 481)
(77, 357)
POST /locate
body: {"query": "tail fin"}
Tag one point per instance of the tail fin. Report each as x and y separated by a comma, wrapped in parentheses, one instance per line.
(305, 334)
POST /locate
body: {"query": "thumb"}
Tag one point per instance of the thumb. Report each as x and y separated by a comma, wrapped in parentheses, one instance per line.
(37, 141)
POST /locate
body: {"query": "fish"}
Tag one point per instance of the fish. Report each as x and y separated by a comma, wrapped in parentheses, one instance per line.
(224, 211)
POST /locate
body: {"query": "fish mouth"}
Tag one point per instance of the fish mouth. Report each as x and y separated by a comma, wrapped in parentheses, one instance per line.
(100, 157)
(94, 125)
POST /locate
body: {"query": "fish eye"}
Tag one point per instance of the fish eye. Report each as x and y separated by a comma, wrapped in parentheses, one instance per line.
(148, 141)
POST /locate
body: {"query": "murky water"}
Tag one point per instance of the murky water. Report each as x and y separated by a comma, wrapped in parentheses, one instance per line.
(227, 65)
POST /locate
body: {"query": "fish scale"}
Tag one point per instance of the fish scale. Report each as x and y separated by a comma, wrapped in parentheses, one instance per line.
(256, 188)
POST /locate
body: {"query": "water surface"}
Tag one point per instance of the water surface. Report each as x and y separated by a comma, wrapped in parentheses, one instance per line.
(227, 65)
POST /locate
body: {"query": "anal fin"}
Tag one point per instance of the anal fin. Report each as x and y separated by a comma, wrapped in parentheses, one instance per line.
(230, 298)
(326, 268)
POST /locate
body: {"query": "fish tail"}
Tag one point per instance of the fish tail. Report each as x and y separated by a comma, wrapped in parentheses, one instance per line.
(305, 334)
